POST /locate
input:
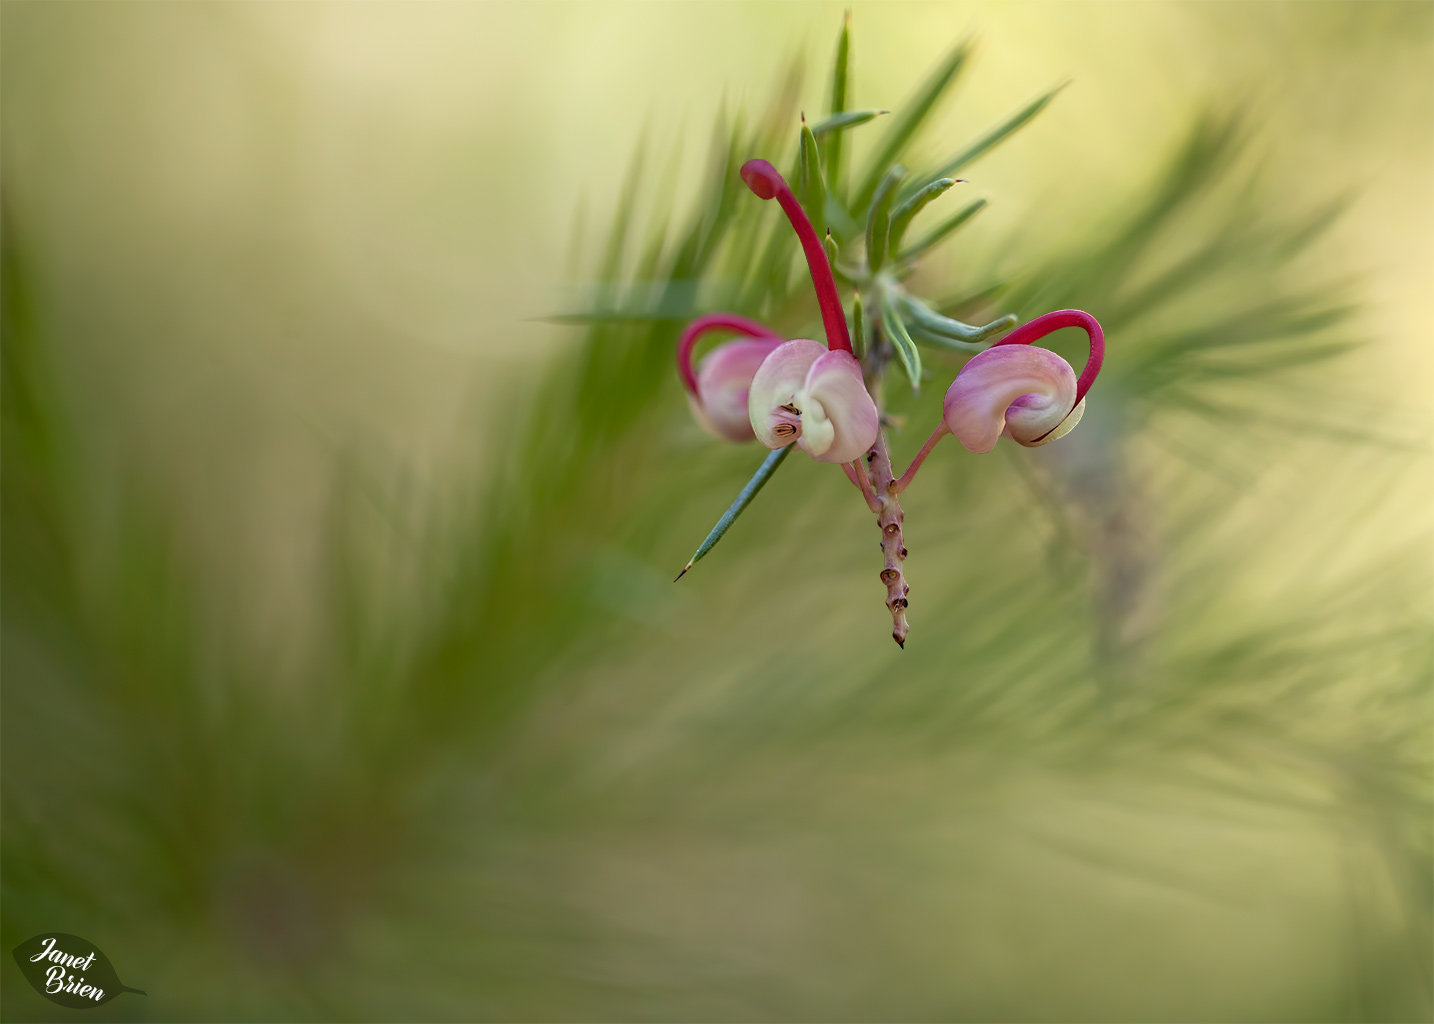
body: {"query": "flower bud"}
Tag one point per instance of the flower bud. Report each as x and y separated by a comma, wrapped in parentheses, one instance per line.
(1027, 393)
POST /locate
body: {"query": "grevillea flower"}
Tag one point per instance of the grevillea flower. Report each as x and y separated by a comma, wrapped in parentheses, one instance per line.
(805, 393)
(1017, 390)
(783, 392)
(718, 389)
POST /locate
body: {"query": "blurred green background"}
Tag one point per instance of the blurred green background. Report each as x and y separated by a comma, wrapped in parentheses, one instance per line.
(344, 677)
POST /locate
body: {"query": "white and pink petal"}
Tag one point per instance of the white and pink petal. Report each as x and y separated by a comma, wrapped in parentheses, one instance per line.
(1022, 390)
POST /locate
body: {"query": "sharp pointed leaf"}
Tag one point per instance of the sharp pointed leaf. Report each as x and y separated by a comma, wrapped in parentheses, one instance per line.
(901, 217)
(996, 135)
(946, 227)
(829, 129)
(912, 114)
(841, 66)
(744, 498)
(878, 218)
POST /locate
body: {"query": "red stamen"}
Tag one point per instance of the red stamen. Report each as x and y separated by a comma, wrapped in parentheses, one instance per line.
(713, 322)
(762, 178)
(1038, 328)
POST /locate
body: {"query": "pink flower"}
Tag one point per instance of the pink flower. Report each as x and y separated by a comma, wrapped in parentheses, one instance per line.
(1027, 393)
(783, 392)
(807, 394)
(717, 391)
(1017, 390)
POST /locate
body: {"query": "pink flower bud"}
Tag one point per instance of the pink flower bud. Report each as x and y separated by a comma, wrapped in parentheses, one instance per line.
(1025, 392)
(1029, 393)
(807, 394)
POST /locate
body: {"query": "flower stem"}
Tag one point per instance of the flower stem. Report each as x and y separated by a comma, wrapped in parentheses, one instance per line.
(897, 486)
(764, 180)
(856, 473)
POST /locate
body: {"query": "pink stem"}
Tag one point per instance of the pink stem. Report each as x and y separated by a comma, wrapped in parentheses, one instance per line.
(856, 473)
(713, 322)
(1038, 328)
(762, 178)
(897, 486)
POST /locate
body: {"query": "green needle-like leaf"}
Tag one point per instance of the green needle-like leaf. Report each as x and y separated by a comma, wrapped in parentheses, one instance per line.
(832, 146)
(878, 218)
(996, 135)
(926, 336)
(813, 188)
(901, 341)
(934, 323)
(858, 327)
(829, 129)
(902, 215)
(744, 498)
(946, 227)
(913, 113)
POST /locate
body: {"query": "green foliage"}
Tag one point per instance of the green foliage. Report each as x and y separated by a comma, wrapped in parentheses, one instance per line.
(521, 776)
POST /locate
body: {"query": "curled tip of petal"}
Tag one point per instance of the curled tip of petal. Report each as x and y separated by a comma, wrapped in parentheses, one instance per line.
(1061, 429)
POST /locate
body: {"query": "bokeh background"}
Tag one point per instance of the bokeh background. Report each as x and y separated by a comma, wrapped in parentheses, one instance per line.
(344, 676)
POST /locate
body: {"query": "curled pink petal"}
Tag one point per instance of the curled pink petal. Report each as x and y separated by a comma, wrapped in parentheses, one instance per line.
(1022, 390)
(775, 386)
(835, 389)
(805, 394)
(723, 380)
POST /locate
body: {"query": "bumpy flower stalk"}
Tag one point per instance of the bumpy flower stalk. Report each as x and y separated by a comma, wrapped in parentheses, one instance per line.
(889, 517)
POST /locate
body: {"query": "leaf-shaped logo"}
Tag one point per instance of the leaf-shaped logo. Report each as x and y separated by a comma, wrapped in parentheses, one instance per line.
(69, 970)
